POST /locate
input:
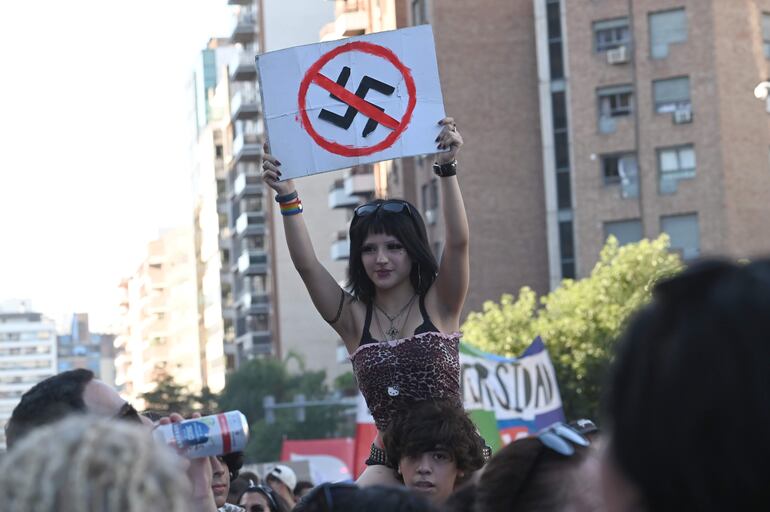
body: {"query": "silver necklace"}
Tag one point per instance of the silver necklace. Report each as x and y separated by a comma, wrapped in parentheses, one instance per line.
(392, 332)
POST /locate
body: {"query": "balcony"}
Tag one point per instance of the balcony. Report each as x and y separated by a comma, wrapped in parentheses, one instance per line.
(246, 148)
(340, 249)
(245, 29)
(255, 302)
(250, 223)
(351, 23)
(254, 344)
(252, 262)
(359, 182)
(247, 185)
(339, 198)
(243, 67)
(244, 105)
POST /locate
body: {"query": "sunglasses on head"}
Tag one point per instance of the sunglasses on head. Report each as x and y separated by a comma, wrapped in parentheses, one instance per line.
(389, 206)
(562, 437)
(265, 491)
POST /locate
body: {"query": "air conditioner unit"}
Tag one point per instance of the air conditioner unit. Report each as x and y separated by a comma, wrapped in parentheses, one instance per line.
(682, 116)
(617, 56)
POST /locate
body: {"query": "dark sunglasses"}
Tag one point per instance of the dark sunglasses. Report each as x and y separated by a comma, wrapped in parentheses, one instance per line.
(127, 412)
(326, 493)
(389, 206)
(562, 438)
(265, 491)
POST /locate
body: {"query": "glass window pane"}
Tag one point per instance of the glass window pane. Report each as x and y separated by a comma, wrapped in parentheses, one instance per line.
(687, 158)
(557, 63)
(565, 240)
(666, 28)
(559, 107)
(684, 233)
(563, 190)
(561, 149)
(671, 92)
(626, 231)
(554, 20)
(668, 160)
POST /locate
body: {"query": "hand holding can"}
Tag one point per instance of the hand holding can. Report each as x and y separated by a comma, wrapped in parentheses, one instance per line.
(208, 436)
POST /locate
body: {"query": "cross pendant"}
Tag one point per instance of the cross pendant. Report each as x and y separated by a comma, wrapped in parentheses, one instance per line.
(392, 333)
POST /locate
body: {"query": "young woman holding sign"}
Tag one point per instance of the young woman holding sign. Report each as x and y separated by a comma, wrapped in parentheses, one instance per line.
(401, 316)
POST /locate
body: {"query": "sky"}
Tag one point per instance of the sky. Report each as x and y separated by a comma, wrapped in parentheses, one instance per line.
(94, 142)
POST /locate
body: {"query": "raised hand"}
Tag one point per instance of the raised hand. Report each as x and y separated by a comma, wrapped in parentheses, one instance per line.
(448, 138)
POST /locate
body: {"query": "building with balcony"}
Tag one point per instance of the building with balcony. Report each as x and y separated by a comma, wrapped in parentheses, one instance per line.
(160, 325)
(27, 355)
(615, 118)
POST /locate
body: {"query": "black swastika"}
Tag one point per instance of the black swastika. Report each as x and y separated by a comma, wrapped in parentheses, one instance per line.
(367, 83)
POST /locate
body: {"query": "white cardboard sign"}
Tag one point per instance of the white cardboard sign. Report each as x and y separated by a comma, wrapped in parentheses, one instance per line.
(360, 100)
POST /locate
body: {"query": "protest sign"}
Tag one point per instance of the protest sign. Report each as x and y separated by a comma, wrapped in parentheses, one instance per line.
(360, 100)
(510, 398)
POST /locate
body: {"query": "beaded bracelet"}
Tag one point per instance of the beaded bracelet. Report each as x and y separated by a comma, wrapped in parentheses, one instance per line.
(292, 207)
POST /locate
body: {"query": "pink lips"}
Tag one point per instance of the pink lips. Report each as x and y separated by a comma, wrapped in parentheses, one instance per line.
(425, 485)
(382, 274)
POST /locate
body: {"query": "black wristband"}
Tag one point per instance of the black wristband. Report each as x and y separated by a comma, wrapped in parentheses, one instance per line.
(445, 170)
(286, 198)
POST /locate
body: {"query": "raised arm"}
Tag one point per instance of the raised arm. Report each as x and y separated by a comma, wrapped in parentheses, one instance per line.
(329, 299)
(454, 270)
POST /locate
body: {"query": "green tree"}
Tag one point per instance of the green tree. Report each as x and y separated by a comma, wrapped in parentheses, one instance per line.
(169, 396)
(254, 380)
(580, 320)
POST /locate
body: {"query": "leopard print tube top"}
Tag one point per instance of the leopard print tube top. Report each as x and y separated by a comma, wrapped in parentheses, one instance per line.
(425, 366)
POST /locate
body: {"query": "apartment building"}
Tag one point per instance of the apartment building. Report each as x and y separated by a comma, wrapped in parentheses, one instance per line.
(159, 325)
(585, 119)
(27, 355)
(665, 134)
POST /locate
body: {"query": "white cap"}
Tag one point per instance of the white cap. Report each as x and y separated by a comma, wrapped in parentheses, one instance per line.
(285, 474)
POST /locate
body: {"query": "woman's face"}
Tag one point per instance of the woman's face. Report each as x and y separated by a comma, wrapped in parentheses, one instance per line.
(254, 502)
(385, 260)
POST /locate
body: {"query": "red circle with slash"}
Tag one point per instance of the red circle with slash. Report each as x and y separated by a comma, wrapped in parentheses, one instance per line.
(313, 75)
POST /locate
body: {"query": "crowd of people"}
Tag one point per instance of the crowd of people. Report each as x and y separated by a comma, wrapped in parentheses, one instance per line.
(685, 422)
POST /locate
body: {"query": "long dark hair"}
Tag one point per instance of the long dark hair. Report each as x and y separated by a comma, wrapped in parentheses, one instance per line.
(409, 228)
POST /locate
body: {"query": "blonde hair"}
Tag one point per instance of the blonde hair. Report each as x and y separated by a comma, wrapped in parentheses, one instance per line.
(86, 464)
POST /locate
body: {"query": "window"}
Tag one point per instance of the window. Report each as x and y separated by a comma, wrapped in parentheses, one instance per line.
(555, 56)
(766, 34)
(430, 195)
(611, 34)
(671, 94)
(622, 169)
(613, 102)
(666, 28)
(675, 164)
(419, 12)
(626, 231)
(566, 244)
(684, 233)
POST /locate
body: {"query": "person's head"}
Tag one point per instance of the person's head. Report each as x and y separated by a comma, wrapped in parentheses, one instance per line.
(240, 484)
(224, 469)
(262, 498)
(282, 480)
(351, 498)
(302, 488)
(74, 391)
(687, 404)
(434, 446)
(88, 464)
(388, 235)
(543, 473)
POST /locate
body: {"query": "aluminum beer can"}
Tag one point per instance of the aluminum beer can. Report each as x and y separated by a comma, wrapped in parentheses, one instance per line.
(208, 436)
